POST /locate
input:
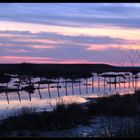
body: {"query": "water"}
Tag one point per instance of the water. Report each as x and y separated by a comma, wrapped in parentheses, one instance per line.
(67, 92)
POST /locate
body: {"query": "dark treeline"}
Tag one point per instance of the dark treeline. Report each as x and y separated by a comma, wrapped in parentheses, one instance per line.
(29, 67)
(65, 70)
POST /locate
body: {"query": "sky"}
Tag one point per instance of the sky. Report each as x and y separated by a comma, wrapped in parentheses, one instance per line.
(70, 33)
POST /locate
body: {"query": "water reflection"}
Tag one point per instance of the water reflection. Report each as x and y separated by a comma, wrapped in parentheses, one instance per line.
(22, 89)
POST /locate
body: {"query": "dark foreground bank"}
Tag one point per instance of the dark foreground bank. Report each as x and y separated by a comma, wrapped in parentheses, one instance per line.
(66, 116)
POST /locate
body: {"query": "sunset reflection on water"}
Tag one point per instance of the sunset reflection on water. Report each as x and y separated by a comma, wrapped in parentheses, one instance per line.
(76, 92)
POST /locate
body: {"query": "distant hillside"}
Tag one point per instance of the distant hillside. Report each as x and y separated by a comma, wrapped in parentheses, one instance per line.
(52, 67)
(38, 68)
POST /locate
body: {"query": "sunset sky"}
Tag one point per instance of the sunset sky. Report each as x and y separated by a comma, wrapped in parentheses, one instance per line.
(68, 32)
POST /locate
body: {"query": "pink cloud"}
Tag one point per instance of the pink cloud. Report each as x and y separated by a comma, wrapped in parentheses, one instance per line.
(97, 47)
(20, 50)
(81, 61)
(29, 59)
(20, 59)
(42, 47)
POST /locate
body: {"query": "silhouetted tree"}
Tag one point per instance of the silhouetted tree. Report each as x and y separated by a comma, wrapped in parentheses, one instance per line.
(130, 57)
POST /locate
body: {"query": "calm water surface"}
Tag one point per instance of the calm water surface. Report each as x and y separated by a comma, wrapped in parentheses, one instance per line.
(67, 92)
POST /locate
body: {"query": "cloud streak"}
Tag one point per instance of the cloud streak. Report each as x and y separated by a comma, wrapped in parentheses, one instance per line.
(67, 33)
(23, 43)
(72, 15)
